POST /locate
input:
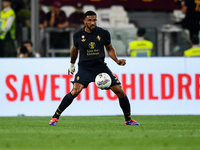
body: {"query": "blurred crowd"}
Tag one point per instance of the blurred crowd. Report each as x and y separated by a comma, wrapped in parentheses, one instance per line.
(16, 14)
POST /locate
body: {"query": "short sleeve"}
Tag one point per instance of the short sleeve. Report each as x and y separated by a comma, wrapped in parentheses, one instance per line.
(75, 41)
(107, 38)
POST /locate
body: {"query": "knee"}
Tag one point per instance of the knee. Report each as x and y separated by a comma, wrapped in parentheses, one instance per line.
(75, 92)
(119, 92)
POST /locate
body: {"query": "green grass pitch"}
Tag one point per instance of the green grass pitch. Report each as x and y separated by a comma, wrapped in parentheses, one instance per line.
(100, 133)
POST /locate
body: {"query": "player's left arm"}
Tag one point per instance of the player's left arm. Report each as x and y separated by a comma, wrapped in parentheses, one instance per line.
(112, 53)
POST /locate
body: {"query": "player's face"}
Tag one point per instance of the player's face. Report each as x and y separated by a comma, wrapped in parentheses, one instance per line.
(90, 22)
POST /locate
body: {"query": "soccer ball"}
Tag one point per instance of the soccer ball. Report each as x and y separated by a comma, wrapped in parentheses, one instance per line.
(103, 81)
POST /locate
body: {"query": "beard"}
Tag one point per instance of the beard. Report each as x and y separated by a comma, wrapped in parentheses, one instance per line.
(90, 28)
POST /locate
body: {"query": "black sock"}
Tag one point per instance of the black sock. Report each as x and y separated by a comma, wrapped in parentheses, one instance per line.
(125, 105)
(66, 101)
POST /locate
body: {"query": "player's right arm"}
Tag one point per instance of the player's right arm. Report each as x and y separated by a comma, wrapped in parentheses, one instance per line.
(74, 54)
(112, 53)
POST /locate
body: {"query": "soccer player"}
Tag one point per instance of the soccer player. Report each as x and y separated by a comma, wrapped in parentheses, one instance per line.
(89, 41)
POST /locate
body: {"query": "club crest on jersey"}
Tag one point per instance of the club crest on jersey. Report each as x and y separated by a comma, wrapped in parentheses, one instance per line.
(98, 38)
(92, 45)
(83, 38)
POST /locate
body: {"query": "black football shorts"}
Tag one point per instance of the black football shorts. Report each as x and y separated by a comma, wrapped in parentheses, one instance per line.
(85, 75)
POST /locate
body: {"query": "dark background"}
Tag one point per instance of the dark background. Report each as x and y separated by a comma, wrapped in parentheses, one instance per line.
(128, 4)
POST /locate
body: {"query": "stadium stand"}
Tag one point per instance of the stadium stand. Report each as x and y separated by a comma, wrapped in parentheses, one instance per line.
(68, 10)
(45, 8)
(88, 7)
(119, 47)
(123, 23)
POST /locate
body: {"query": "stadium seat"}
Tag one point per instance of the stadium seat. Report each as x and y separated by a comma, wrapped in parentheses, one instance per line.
(118, 15)
(103, 14)
(112, 33)
(119, 47)
(103, 18)
(46, 9)
(117, 20)
(122, 25)
(126, 35)
(104, 24)
(89, 7)
(117, 8)
(177, 16)
(186, 35)
(68, 10)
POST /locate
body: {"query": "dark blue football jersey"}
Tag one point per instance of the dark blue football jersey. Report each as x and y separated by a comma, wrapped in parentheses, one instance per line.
(91, 46)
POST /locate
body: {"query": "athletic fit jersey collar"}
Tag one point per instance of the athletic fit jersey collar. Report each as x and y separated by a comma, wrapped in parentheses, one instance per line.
(94, 32)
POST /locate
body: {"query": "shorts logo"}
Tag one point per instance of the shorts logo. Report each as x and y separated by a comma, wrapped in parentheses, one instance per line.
(83, 38)
(92, 45)
(115, 77)
(77, 78)
(117, 81)
(98, 38)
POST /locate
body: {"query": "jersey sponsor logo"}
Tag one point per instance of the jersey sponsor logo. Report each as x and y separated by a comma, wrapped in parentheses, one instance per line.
(92, 45)
(98, 38)
(92, 52)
